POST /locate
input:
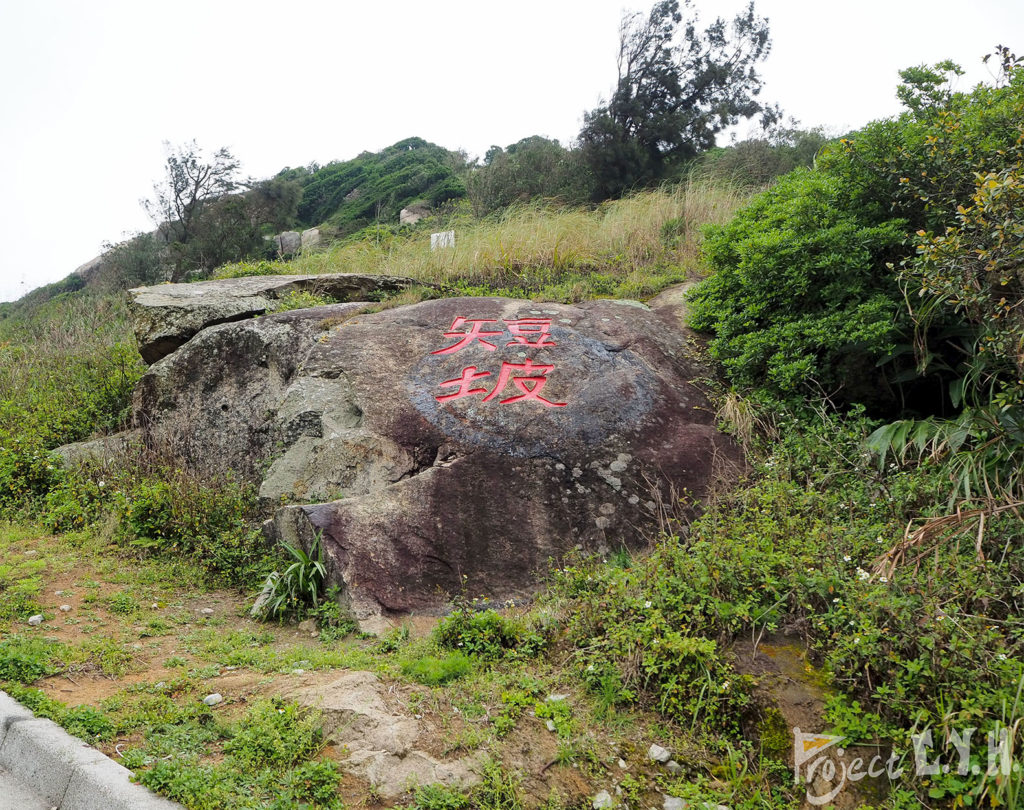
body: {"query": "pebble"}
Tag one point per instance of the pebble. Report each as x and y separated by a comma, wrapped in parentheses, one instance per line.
(673, 803)
(673, 767)
(65, 608)
(556, 698)
(659, 754)
(213, 700)
(207, 611)
(622, 764)
(35, 620)
(602, 800)
(298, 672)
(550, 724)
(58, 593)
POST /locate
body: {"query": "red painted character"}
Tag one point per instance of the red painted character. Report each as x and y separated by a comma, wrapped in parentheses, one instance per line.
(522, 383)
(476, 332)
(526, 328)
(469, 376)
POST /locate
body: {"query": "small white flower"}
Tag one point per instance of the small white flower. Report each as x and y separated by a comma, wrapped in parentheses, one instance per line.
(1001, 657)
(847, 558)
(590, 668)
(101, 484)
(856, 640)
(862, 574)
(835, 600)
(879, 540)
(883, 579)
(647, 604)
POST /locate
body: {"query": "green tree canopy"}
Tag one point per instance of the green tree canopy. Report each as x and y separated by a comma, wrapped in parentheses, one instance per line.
(678, 86)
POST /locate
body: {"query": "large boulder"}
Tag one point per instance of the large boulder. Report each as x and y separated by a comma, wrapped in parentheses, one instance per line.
(456, 443)
(166, 316)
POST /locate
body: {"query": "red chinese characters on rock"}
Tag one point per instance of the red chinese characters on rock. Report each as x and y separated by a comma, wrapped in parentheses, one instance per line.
(528, 378)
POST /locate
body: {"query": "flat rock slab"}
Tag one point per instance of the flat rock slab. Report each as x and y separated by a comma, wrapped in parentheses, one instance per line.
(381, 745)
(166, 316)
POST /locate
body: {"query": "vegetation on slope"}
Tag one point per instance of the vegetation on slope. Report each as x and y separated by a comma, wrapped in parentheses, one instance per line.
(883, 284)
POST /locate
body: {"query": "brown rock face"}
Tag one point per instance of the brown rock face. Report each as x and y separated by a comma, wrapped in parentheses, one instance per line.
(487, 436)
(455, 441)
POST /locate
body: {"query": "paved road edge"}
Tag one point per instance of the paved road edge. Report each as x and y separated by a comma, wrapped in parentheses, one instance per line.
(67, 772)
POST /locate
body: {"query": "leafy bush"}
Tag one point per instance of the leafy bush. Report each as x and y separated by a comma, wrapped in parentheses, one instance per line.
(489, 635)
(275, 734)
(799, 299)
(808, 289)
(169, 511)
(313, 785)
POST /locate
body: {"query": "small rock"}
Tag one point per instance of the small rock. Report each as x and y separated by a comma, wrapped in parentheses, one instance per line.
(213, 700)
(622, 764)
(550, 724)
(154, 606)
(673, 767)
(35, 620)
(58, 593)
(602, 800)
(308, 626)
(65, 608)
(230, 669)
(659, 754)
(673, 803)
(160, 685)
(555, 698)
(207, 611)
(31, 553)
(298, 672)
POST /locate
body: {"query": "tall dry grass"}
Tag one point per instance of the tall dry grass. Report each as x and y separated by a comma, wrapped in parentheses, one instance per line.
(649, 231)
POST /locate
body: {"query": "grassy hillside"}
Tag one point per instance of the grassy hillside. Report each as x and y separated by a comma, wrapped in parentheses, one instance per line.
(375, 186)
(866, 579)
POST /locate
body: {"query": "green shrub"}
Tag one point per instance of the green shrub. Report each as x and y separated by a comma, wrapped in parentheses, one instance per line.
(800, 300)
(313, 785)
(27, 473)
(489, 635)
(275, 734)
(298, 589)
(171, 512)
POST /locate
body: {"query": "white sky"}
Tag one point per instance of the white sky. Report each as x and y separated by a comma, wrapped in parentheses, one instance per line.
(89, 91)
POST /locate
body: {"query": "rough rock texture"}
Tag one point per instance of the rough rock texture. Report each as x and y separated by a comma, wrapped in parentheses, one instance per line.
(214, 402)
(288, 243)
(582, 451)
(381, 744)
(310, 238)
(166, 316)
(469, 438)
(98, 451)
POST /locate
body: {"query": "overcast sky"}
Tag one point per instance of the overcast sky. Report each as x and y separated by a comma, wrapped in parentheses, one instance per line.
(89, 91)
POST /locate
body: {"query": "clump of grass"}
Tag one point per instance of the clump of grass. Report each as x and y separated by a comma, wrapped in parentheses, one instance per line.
(434, 670)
